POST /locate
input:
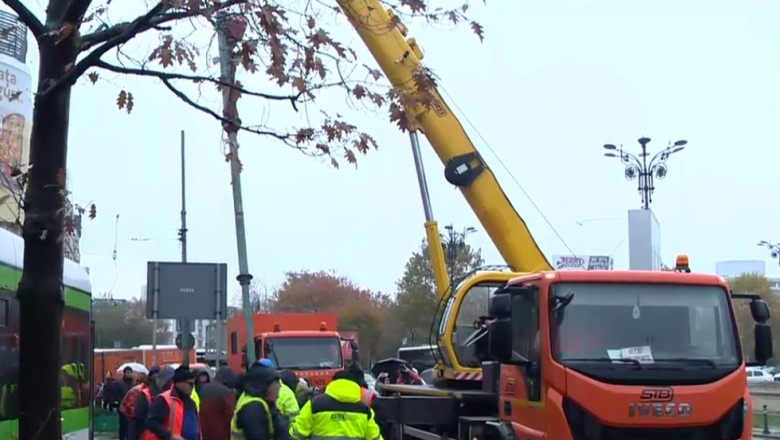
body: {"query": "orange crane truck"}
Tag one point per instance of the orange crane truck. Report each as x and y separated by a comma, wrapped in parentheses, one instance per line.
(530, 353)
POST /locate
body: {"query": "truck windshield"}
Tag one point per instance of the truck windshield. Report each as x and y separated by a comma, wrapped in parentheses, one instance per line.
(645, 326)
(304, 353)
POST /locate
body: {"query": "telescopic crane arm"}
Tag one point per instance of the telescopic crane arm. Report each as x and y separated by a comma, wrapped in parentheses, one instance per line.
(399, 58)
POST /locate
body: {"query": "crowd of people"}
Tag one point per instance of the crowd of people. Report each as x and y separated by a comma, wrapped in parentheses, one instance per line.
(260, 404)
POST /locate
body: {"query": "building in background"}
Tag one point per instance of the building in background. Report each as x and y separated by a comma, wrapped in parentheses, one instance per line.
(733, 268)
(580, 262)
(16, 106)
(70, 242)
(644, 240)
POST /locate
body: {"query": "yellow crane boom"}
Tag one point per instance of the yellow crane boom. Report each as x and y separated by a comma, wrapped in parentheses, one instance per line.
(399, 58)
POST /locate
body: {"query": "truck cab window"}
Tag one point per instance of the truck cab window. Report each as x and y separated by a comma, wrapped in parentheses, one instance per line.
(473, 305)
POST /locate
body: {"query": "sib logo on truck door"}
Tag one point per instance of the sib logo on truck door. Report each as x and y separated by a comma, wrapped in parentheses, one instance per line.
(658, 402)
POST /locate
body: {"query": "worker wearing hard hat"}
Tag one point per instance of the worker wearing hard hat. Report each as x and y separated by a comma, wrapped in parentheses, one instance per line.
(338, 413)
(287, 403)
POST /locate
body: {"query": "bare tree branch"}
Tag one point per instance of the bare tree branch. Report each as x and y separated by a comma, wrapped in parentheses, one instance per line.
(129, 32)
(27, 17)
(90, 40)
(287, 138)
(166, 79)
(198, 79)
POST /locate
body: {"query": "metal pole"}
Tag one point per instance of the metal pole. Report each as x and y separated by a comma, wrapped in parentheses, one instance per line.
(422, 182)
(766, 422)
(155, 311)
(643, 174)
(218, 323)
(435, 251)
(186, 327)
(183, 230)
(227, 68)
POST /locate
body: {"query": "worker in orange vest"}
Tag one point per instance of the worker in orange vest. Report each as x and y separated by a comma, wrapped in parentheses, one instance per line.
(367, 396)
(173, 414)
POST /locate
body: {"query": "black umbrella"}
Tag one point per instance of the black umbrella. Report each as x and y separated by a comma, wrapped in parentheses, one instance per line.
(391, 366)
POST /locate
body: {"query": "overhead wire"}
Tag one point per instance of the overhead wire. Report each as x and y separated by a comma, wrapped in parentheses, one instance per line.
(451, 101)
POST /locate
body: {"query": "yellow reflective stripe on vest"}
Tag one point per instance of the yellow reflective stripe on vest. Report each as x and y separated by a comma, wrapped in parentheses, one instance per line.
(237, 433)
(195, 397)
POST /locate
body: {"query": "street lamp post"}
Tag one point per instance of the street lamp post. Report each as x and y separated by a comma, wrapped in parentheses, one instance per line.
(774, 249)
(642, 168)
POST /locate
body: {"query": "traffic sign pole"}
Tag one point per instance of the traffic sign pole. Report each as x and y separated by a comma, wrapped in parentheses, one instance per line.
(185, 341)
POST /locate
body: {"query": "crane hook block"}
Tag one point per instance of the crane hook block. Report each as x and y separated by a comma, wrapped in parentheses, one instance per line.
(463, 170)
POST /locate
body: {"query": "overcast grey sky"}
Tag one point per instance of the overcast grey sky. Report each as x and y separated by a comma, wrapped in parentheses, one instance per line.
(553, 82)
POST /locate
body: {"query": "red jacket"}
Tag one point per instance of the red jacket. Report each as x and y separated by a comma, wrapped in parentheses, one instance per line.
(128, 402)
(217, 404)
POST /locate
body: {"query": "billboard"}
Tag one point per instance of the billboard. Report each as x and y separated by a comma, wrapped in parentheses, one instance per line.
(186, 291)
(583, 262)
(16, 106)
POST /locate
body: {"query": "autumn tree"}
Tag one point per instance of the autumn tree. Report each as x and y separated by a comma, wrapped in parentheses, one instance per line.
(417, 302)
(290, 43)
(357, 309)
(757, 284)
(124, 323)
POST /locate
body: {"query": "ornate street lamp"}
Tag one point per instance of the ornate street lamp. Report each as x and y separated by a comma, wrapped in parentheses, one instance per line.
(774, 249)
(642, 169)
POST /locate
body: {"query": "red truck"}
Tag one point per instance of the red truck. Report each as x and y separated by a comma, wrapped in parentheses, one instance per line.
(306, 343)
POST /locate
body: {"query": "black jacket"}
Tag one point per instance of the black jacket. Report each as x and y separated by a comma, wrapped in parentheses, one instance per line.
(253, 420)
(159, 413)
(138, 420)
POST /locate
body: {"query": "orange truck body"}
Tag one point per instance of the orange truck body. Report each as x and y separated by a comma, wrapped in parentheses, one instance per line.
(107, 360)
(605, 406)
(290, 325)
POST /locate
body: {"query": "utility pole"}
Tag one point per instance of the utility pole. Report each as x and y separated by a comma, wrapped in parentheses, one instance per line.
(186, 324)
(230, 30)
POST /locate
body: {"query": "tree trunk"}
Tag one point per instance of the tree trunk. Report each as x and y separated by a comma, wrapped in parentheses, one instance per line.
(40, 292)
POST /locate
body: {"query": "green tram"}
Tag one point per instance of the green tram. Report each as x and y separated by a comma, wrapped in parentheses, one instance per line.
(75, 384)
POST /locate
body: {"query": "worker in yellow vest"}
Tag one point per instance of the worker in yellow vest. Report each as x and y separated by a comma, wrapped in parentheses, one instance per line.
(337, 414)
(256, 415)
(287, 404)
(201, 378)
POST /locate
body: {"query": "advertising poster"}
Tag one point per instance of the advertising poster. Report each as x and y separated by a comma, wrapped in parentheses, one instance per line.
(15, 128)
(582, 262)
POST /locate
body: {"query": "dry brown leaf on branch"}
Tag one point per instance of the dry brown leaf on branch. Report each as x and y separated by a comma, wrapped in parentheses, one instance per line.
(478, 30)
(125, 101)
(92, 211)
(93, 77)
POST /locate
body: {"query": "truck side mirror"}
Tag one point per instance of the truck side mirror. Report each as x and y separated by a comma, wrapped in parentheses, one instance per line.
(763, 342)
(355, 350)
(507, 306)
(500, 330)
(759, 309)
